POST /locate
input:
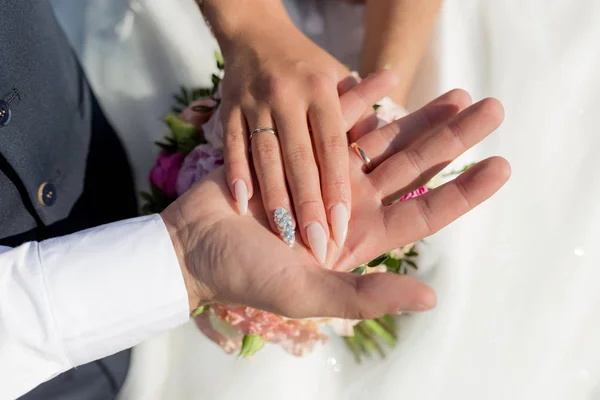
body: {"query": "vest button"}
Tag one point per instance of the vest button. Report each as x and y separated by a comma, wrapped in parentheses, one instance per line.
(5, 113)
(47, 194)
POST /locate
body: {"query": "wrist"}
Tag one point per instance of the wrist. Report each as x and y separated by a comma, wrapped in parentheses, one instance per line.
(192, 286)
(233, 20)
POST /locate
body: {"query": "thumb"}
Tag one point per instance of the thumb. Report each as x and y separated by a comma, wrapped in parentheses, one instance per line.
(352, 296)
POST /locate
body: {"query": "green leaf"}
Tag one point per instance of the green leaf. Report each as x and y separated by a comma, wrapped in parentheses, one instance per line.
(199, 311)
(180, 100)
(376, 107)
(220, 60)
(184, 95)
(180, 129)
(392, 264)
(377, 329)
(378, 261)
(370, 341)
(359, 270)
(203, 108)
(388, 322)
(251, 344)
(411, 263)
(147, 196)
(365, 348)
(411, 253)
(201, 93)
(215, 80)
(168, 147)
(354, 348)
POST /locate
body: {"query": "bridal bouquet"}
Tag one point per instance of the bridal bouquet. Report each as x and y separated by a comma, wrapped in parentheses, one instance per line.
(191, 150)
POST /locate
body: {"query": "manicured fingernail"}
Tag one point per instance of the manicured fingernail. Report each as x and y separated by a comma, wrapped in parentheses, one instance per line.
(317, 241)
(285, 225)
(241, 196)
(339, 223)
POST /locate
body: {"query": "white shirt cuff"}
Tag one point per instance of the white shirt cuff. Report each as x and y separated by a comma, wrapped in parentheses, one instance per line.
(113, 286)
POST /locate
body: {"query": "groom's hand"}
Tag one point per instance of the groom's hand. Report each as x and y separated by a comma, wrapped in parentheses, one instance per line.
(237, 259)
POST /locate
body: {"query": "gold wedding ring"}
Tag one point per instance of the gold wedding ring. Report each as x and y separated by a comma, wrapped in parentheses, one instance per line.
(261, 130)
(363, 156)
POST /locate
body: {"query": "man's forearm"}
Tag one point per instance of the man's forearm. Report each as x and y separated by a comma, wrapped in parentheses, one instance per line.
(77, 298)
(397, 33)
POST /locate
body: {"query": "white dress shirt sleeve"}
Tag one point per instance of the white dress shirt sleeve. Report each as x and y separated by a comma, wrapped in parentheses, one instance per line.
(74, 299)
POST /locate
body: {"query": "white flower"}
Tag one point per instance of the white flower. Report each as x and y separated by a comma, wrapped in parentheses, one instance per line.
(389, 110)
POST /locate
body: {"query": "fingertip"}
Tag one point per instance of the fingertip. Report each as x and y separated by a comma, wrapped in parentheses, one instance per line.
(501, 167)
(460, 97)
(494, 108)
(428, 299)
(240, 193)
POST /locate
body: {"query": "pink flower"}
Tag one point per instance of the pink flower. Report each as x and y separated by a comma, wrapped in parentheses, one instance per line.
(414, 193)
(198, 118)
(165, 171)
(213, 130)
(199, 163)
(297, 337)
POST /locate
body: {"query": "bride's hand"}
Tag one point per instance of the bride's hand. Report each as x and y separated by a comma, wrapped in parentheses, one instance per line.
(275, 77)
(236, 259)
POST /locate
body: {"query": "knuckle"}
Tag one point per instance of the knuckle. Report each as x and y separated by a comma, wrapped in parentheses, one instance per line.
(426, 213)
(265, 151)
(335, 144)
(277, 89)
(455, 131)
(414, 160)
(337, 188)
(300, 157)
(237, 167)
(310, 208)
(233, 140)
(319, 82)
(275, 195)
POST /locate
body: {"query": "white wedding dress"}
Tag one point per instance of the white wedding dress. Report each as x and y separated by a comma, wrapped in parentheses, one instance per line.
(518, 279)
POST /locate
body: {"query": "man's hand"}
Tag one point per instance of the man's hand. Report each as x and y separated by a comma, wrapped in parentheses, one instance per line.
(237, 259)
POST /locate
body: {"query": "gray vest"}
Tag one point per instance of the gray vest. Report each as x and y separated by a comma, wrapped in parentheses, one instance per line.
(62, 168)
(50, 113)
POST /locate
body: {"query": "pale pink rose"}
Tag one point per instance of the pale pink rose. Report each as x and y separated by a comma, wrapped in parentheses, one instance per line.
(389, 110)
(199, 163)
(198, 118)
(165, 172)
(213, 130)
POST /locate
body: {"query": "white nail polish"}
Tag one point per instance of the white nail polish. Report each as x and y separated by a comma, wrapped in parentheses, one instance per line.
(241, 196)
(317, 241)
(285, 225)
(339, 223)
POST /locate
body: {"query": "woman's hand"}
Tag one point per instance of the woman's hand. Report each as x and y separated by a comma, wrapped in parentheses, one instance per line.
(277, 78)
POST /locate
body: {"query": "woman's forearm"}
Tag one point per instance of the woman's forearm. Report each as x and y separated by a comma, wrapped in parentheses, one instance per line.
(397, 33)
(233, 20)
